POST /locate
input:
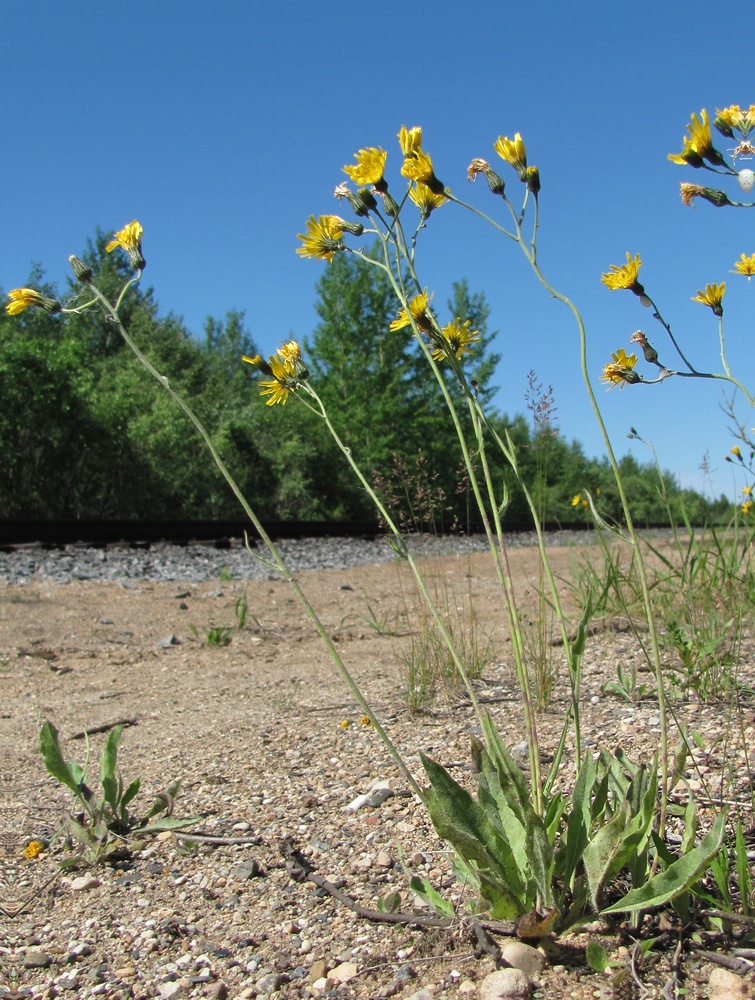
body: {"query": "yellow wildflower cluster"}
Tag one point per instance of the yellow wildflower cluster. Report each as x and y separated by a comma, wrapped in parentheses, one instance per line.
(620, 371)
(285, 372)
(130, 239)
(697, 147)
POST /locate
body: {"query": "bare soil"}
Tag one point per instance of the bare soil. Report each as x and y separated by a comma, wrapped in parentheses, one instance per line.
(271, 750)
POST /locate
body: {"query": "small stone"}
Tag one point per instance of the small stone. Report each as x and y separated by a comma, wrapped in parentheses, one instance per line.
(167, 642)
(505, 984)
(726, 985)
(216, 991)
(384, 860)
(83, 882)
(344, 972)
(467, 986)
(270, 983)
(524, 957)
(318, 970)
(245, 870)
(422, 994)
(35, 958)
(173, 989)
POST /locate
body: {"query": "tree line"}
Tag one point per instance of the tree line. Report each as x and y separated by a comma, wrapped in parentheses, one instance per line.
(86, 433)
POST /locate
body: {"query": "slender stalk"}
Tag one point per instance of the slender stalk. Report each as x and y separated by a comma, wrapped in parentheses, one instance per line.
(112, 312)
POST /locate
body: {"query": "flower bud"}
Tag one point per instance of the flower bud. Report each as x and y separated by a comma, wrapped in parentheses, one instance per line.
(81, 271)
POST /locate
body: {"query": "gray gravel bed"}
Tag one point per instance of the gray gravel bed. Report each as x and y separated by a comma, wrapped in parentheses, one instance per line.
(200, 562)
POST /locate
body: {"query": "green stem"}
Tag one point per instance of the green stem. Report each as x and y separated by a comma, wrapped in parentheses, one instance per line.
(111, 311)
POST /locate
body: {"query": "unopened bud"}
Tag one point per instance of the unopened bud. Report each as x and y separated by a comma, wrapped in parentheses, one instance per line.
(715, 197)
(81, 271)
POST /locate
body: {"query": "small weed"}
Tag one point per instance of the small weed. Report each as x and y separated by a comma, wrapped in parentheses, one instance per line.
(241, 610)
(385, 624)
(626, 686)
(428, 665)
(102, 826)
(215, 635)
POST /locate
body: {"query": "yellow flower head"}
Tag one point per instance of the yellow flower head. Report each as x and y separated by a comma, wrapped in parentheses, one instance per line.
(734, 117)
(323, 237)
(458, 337)
(285, 372)
(513, 151)
(130, 239)
(532, 180)
(365, 721)
(699, 146)
(418, 168)
(23, 298)
(747, 490)
(344, 723)
(745, 265)
(620, 371)
(33, 849)
(576, 500)
(737, 451)
(410, 140)
(426, 199)
(747, 507)
(417, 164)
(713, 297)
(624, 275)
(418, 311)
(369, 167)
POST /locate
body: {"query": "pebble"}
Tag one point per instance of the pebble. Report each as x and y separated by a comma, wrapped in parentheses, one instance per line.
(524, 957)
(505, 984)
(725, 985)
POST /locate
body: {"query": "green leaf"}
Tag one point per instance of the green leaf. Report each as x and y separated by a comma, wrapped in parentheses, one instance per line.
(462, 821)
(49, 747)
(743, 869)
(678, 877)
(169, 823)
(430, 896)
(108, 766)
(597, 956)
(600, 854)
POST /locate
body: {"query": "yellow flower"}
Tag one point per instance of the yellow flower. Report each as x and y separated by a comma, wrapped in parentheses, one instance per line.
(418, 168)
(410, 140)
(23, 298)
(690, 192)
(532, 180)
(736, 450)
(734, 117)
(745, 265)
(747, 490)
(417, 164)
(458, 337)
(418, 310)
(513, 151)
(425, 199)
(130, 239)
(365, 721)
(747, 507)
(369, 167)
(576, 500)
(689, 156)
(620, 371)
(699, 146)
(285, 372)
(712, 296)
(345, 723)
(624, 275)
(33, 849)
(323, 237)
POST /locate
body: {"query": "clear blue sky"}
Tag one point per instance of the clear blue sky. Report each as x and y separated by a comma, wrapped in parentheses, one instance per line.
(223, 125)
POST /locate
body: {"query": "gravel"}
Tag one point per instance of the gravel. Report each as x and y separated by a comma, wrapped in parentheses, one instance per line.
(196, 563)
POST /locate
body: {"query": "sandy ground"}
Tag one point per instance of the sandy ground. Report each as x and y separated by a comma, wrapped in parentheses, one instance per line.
(270, 747)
